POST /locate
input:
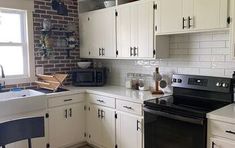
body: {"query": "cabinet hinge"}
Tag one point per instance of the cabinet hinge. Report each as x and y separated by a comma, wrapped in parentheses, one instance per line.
(116, 13)
(47, 115)
(84, 107)
(116, 52)
(115, 115)
(229, 20)
(48, 145)
(154, 52)
(116, 146)
(155, 6)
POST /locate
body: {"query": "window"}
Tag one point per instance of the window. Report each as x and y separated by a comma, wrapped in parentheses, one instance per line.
(16, 45)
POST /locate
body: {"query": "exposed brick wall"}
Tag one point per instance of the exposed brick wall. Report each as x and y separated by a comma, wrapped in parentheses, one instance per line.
(59, 62)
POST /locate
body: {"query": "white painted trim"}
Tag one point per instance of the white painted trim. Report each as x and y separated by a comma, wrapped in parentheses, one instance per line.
(18, 4)
(29, 70)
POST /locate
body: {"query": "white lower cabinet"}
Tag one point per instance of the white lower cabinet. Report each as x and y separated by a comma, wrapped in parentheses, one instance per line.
(220, 134)
(101, 126)
(66, 123)
(129, 132)
(221, 143)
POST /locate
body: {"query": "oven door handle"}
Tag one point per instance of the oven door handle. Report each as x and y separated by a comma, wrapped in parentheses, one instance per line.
(175, 117)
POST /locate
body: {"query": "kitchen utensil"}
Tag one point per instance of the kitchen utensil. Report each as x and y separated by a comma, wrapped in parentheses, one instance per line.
(83, 65)
(157, 77)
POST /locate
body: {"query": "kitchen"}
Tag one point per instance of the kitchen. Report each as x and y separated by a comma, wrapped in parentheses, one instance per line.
(131, 39)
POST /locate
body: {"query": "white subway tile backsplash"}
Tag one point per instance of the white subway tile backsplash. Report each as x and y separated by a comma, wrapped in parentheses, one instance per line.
(213, 44)
(197, 53)
(220, 51)
(188, 71)
(212, 72)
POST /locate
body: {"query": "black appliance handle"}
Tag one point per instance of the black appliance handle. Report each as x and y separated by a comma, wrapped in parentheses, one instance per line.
(175, 117)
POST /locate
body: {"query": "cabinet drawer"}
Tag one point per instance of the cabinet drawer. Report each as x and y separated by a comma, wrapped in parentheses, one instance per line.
(222, 129)
(129, 107)
(64, 100)
(101, 100)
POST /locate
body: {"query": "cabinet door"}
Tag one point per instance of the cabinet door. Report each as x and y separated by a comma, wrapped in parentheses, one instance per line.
(66, 125)
(145, 30)
(108, 127)
(210, 14)
(85, 35)
(129, 126)
(108, 33)
(168, 16)
(221, 143)
(76, 124)
(94, 127)
(58, 127)
(95, 29)
(124, 31)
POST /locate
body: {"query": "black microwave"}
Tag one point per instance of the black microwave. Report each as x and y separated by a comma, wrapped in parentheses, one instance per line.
(89, 77)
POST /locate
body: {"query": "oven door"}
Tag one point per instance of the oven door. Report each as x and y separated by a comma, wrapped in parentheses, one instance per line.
(164, 130)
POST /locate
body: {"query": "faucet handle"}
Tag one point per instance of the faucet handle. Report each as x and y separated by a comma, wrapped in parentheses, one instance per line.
(2, 85)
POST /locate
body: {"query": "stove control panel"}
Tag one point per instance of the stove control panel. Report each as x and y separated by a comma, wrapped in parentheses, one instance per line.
(218, 84)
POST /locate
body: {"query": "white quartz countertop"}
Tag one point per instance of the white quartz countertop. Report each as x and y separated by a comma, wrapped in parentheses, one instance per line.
(113, 92)
(225, 114)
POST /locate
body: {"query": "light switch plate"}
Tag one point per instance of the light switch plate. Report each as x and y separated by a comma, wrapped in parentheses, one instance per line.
(40, 70)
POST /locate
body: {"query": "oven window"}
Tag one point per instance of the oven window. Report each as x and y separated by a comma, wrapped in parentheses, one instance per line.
(85, 77)
(163, 132)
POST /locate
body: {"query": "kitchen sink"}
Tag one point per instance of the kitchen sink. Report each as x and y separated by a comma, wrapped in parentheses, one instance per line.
(11, 95)
(23, 101)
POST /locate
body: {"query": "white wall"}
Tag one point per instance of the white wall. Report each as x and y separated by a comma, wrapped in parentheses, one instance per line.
(198, 53)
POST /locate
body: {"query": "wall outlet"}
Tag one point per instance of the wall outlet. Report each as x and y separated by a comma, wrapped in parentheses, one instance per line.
(40, 70)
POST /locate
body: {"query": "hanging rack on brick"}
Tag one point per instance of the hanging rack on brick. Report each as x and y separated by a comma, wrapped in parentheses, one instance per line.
(51, 82)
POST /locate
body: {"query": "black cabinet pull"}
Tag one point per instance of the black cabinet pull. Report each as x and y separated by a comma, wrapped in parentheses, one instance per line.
(230, 132)
(99, 113)
(128, 107)
(70, 112)
(137, 125)
(101, 101)
(102, 114)
(135, 51)
(184, 23)
(131, 51)
(100, 52)
(67, 100)
(189, 22)
(66, 114)
(103, 51)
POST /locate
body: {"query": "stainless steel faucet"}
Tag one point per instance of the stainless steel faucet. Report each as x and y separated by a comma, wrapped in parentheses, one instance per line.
(3, 74)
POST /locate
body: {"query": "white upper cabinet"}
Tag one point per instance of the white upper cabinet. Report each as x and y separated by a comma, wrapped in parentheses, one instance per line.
(97, 34)
(210, 14)
(168, 18)
(135, 30)
(184, 16)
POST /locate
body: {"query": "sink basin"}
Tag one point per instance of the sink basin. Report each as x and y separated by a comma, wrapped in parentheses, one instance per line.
(11, 95)
(20, 102)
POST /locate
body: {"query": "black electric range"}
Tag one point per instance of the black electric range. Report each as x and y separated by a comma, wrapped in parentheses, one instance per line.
(179, 121)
